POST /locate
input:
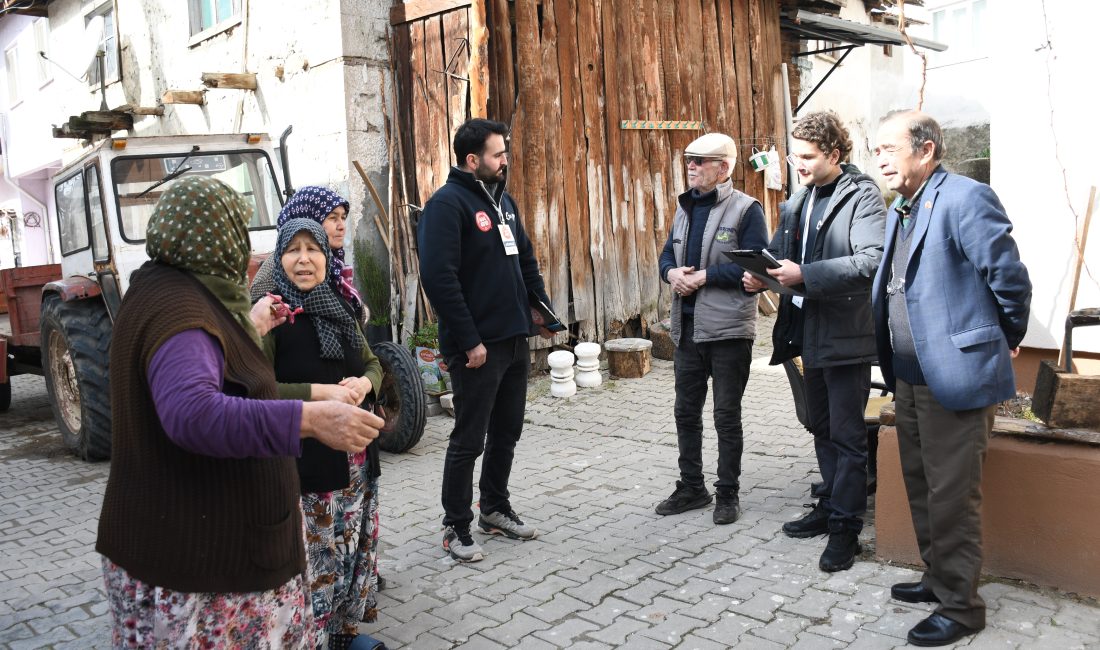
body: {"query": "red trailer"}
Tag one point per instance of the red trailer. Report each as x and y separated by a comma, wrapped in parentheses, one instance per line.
(20, 344)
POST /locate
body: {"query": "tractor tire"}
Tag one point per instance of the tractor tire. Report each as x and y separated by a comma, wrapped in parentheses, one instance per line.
(5, 395)
(402, 397)
(75, 340)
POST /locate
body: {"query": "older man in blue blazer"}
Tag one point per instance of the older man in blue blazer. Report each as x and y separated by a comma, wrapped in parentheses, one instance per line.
(951, 303)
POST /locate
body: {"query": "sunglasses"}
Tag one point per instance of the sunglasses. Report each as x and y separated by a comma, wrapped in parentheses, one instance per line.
(699, 160)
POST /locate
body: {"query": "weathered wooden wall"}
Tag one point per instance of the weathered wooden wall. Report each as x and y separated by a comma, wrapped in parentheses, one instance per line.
(597, 200)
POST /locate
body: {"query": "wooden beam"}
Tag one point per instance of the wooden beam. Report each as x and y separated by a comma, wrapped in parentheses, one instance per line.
(237, 80)
(477, 71)
(197, 97)
(141, 110)
(415, 9)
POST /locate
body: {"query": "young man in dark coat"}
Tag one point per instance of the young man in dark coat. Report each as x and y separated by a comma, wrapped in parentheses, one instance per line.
(830, 242)
(480, 273)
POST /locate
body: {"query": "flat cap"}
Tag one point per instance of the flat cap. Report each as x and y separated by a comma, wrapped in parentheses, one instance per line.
(712, 145)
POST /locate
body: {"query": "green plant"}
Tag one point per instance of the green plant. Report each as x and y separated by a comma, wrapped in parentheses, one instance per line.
(374, 283)
(425, 337)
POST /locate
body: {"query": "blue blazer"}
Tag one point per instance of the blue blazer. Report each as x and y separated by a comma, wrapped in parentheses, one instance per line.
(967, 292)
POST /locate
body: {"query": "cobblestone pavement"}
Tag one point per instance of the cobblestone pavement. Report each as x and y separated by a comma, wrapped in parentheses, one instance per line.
(606, 571)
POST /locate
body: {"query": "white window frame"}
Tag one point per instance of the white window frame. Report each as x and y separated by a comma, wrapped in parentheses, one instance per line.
(109, 41)
(201, 32)
(15, 80)
(42, 44)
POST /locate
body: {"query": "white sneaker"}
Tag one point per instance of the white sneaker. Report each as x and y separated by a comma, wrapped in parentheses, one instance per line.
(462, 547)
(506, 523)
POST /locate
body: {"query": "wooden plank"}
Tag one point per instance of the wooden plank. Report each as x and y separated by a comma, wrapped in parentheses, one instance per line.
(421, 133)
(233, 80)
(436, 84)
(530, 131)
(502, 66)
(574, 180)
(557, 271)
(760, 96)
(743, 71)
(655, 155)
(678, 93)
(197, 97)
(616, 86)
(728, 74)
(456, 56)
(712, 53)
(477, 69)
(412, 10)
(589, 28)
(661, 125)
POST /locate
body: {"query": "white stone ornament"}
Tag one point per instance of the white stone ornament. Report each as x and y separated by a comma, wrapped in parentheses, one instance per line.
(588, 365)
(561, 374)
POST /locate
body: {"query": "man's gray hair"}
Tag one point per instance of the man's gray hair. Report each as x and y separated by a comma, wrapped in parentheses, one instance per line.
(921, 128)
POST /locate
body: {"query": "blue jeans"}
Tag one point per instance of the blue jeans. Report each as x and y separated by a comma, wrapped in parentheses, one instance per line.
(727, 363)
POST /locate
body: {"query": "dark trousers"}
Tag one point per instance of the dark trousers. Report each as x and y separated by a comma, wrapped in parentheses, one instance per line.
(941, 461)
(489, 405)
(836, 397)
(727, 363)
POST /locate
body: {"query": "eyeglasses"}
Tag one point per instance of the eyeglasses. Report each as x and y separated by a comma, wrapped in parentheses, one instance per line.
(699, 160)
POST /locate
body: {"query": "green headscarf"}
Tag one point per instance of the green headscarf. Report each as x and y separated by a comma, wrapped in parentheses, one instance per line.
(200, 225)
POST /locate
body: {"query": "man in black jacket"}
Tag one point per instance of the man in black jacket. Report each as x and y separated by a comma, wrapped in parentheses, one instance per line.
(479, 271)
(830, 239)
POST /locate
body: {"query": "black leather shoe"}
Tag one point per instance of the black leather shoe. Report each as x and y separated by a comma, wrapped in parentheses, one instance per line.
(913, 592)
(841, 551)
(812, 524)
(682, 499)
(727, 508)
(938, 630)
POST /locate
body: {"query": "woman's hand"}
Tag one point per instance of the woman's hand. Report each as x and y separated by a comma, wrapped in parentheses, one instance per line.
(332, 393)
(263, 316)
(340, 426)
(359, 386)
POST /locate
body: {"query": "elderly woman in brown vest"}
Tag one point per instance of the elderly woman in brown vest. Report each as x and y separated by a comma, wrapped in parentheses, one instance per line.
(201, 530)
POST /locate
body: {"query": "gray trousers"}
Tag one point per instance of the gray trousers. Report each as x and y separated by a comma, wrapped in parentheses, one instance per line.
(941, 461)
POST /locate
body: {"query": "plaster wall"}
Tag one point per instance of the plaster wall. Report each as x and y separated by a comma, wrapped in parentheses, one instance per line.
(1045, 154)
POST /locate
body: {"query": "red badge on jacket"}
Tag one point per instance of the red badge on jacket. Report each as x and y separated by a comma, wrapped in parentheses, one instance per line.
(484, 223)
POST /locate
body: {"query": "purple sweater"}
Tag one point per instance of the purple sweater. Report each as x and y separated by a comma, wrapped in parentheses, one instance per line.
(185, 377)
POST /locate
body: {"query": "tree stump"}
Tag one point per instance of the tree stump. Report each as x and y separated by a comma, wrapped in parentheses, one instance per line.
(628, 358)
(663, 347)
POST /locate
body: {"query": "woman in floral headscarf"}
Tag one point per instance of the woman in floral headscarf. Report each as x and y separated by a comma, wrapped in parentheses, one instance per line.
(201, 531)
(331, 211)
(324, 352)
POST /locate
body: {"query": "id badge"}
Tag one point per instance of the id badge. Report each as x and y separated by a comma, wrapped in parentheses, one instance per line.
(508, 239)
(797, 301)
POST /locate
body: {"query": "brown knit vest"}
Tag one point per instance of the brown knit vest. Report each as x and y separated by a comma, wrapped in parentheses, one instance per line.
(172, 518)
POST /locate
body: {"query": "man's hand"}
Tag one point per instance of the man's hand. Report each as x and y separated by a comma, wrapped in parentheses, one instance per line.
(340, 426)
(1015, 352)
(752, 284)
(789, 274)
(677, 279)
(359, 386)
(263, 316)
(332, 393)
(475, 357)
(696, 279)
(545, 333)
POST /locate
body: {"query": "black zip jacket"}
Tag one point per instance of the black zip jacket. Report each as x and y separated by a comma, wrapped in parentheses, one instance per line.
(479, 293)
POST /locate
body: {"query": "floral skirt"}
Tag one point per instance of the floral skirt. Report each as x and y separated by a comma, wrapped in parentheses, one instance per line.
(145, 616)
(342, 547)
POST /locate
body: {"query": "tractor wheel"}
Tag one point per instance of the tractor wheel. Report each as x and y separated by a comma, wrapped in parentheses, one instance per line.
(402, 396)
(75, 340)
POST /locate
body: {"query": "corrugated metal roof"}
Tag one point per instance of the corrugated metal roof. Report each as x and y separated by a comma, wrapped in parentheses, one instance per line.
(809, 25)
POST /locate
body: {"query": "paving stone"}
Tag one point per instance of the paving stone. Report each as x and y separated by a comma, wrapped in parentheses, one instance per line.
(563, 634)
(520, 626)
(616, 633)
(694, 642)
(560, 607)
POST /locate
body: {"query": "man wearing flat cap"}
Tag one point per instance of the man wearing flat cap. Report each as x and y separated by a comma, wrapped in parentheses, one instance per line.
(713, 320)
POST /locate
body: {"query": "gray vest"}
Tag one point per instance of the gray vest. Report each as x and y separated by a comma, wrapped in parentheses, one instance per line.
(720, 313)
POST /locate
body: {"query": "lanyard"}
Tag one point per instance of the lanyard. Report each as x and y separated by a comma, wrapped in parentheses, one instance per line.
(809, 216)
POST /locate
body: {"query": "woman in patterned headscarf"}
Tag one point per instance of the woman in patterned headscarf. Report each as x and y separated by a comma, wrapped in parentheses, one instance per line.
(331, 211)
(201, 531)
(323, 355)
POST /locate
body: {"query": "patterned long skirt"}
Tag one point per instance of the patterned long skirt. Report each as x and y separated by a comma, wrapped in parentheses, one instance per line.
(342, 546)
(145, 616)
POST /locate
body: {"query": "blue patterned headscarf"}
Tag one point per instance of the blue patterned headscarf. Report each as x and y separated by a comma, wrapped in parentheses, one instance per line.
(314, 202)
